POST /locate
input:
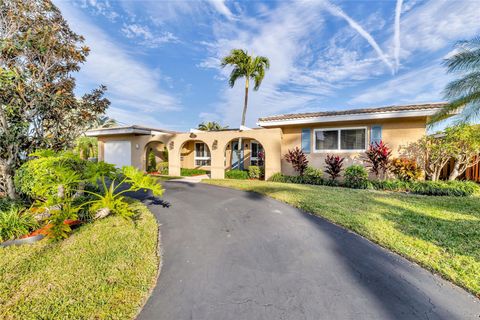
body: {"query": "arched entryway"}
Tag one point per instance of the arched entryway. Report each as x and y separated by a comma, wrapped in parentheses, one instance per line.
(156, 157)
(195, 158)
(251, 154)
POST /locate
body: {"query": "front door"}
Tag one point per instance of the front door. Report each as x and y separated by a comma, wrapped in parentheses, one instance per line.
(237, 157)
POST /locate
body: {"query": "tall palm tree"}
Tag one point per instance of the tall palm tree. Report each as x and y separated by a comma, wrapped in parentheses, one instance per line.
(105, 122)
(248, 67)
(211, 126)
(464, 92)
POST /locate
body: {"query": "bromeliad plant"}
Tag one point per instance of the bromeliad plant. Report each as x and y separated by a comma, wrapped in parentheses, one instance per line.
(112, 201)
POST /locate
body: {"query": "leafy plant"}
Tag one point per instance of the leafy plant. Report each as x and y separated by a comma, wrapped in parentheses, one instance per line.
(405, 169)
(186, 172)
(15, 222)
(313, 176)
(152, 161)
(377, 158)
(297, 159)
(237, 174)
(356, 176)
(277, 177)
(162, 167)
(334, 166)
(254, 172)
(86, 147)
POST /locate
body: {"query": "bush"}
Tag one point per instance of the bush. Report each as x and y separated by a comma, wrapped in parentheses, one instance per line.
(390, 185)
(185, 172)
(152, 161)
(298, 159)
(162, 167)
(277, 177)
(405, 169)
(254, 172)
(237, 174)
(444, 188)
(356, 176)
(334, 166)
(313, 176)
(377, 158)
(15, 222)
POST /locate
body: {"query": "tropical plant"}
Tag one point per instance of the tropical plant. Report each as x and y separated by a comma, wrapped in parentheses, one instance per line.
(464, 146)
(211, 126)
(377, 158)
(334, 166)
(356, 176)
(15, 222)
(152, 161)
(187, 172)
(297, 159)
(405, 169)
(38, 104)
(248, 67)
(86, 147)
(236, 174)
(313, 175)
(464, 93)
(103, 122)
(162, 167)
(254, 172)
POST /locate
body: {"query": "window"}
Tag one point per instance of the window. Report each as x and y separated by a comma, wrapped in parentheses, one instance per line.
(256, 158)
(202, 154)
(348, 139)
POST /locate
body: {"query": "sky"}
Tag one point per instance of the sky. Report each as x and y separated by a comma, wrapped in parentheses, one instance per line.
(160, 60)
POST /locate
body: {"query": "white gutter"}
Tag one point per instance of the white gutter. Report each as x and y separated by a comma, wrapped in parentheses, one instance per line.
(351, 117)
(119, 131)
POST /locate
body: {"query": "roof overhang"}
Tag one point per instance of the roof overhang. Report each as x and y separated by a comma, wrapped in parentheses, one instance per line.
(350, 117)
(118, 131)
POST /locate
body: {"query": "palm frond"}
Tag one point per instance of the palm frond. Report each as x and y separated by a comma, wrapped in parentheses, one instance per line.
(234, 75)
(464, 60)
(466, 85)
(455, 105)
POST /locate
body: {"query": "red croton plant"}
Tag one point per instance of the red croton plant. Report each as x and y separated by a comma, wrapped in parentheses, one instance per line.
(298, 159)
(377, 158)
(334, 166)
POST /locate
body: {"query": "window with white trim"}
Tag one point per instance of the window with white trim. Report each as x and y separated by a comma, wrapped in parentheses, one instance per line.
(341, 139)
(202, 154)
(256, 150)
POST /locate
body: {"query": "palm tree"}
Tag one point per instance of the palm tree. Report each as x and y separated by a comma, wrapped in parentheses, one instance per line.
(105, 122)
(211, 126)
(464, 93)
(248, 67)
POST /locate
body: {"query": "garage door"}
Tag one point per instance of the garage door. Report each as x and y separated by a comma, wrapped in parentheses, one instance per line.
(118, 153)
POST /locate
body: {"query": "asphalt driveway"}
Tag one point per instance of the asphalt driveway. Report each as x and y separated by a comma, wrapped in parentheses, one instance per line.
(229, 254)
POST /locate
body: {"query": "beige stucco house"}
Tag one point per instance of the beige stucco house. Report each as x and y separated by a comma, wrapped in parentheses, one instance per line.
(347, 133)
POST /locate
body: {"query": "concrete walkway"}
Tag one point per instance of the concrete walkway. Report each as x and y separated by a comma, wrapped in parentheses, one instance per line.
(235, 255)
(192, 179)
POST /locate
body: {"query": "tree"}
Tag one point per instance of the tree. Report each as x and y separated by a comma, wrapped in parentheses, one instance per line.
(464, 141)
(38, 54)
(464, 93)
(248, 67)
(298, 159)
(104, 122)
(211, 126)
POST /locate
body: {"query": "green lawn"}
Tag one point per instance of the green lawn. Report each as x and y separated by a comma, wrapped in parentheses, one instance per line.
(105, 270)
(440, 233)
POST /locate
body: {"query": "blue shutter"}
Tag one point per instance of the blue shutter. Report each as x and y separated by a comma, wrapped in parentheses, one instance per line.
(376, 134)
(306, 140)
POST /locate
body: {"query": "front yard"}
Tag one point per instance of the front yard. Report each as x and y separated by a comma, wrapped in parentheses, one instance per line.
(440, 233)
(104, 270)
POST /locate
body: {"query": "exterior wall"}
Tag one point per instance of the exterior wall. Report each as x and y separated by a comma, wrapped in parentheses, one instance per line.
(397, 133)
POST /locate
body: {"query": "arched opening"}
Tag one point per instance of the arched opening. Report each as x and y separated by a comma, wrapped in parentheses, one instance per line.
(195, 158)
(156, 158)
(245, 162)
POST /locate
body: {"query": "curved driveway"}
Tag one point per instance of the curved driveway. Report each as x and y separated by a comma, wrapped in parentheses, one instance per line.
(230, 254)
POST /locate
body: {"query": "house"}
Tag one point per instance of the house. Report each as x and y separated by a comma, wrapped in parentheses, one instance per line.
(346, 133)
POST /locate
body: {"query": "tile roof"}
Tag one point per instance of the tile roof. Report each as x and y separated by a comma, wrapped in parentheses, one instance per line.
(307, 115)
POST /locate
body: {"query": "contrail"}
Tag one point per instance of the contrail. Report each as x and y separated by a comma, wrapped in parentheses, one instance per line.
(398, 11)
(339, 13)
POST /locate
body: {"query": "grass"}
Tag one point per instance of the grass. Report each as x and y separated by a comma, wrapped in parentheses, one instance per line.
(105, 270)
(185, 172)
(440, 233)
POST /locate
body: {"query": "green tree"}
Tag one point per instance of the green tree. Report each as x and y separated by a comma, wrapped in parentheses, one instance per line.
(464, 93)
(248, 67)
(103, 122)
(464, 142)
(38, 107)
(211, 126)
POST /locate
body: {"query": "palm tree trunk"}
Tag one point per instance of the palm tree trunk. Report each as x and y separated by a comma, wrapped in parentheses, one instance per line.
(244, 113)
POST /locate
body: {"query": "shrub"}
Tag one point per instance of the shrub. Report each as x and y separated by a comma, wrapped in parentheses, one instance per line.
(15, 222)
(162, 167)
(254, 172)
(237, 174)
(185, 172)
(152, 161)
(277, 177)
(313, 176)
(356, 176)
(405, 169)
(298, 159)
(334, 166)
(390, 185)
(444, 188)
(377, 158)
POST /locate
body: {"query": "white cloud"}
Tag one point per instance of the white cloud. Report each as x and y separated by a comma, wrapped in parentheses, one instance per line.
(145, 36)
(103, 8)
(398, 11)
(222, 8)
(132, 86)
(421, 85)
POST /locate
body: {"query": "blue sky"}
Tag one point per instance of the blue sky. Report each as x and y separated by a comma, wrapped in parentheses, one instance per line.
(160, 59)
